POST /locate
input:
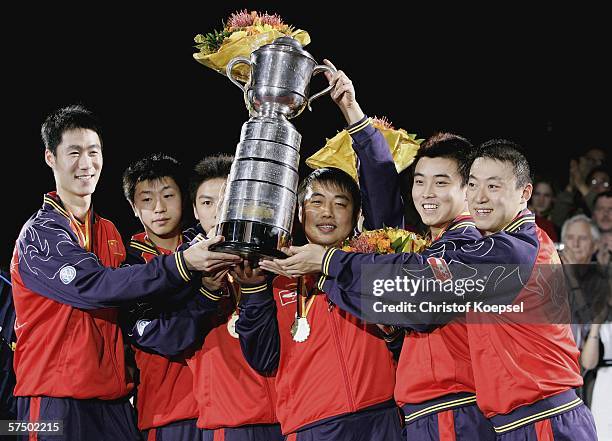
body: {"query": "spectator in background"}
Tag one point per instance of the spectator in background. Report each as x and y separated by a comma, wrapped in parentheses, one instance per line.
(602, 216)
(541, 204)
(580, 237)
(605, 241)
(586, 281)
(597, 355)
(587, 178)
(594, 157)
(602, 213)
(598, 180)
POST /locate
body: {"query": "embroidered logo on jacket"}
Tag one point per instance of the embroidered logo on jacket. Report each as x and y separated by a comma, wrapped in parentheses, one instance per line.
(67, 274)
(113, 246)
(440, 268)
(141, 325)
(287, 296)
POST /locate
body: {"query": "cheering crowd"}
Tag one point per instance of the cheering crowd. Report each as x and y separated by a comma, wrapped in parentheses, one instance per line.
(162, 338)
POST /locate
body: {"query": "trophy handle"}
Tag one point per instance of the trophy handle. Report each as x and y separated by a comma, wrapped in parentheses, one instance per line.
(318, 69)
(230, 66)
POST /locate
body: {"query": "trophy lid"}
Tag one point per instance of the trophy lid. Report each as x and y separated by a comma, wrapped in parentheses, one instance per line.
(288, 44)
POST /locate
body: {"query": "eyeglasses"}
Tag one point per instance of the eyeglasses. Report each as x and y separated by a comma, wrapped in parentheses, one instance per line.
(606, 184)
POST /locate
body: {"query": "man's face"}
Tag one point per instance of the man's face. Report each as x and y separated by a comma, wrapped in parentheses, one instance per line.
(493, 198)
(542, 197)
(437, 192)
(327, 215)
(602, 214)
(596, 156)
(77, 162)
(208, 198)
(158, 205)
(579, 240)
(591, 159)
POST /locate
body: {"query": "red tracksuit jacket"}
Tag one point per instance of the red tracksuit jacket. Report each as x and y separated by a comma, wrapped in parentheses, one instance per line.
(344, 366)
(165, 391)
(69, 343)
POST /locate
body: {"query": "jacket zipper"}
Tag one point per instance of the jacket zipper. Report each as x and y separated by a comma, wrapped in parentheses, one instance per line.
(340, 353)
(270, 401)
(122, 387)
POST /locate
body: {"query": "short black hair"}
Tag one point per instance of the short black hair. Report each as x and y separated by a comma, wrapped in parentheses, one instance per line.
(210, 167)
(74, 116)
(507, 151)
(150, 168)
(605, 194)
(331, 176)
(451, 146)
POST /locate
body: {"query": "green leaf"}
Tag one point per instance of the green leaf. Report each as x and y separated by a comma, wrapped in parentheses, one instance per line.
(397, 243)
(404, 244)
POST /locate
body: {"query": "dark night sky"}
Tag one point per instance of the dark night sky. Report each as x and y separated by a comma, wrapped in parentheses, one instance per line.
(539, 79)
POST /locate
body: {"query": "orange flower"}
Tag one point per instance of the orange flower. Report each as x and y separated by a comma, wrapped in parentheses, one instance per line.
(385, 241)
(383, 245)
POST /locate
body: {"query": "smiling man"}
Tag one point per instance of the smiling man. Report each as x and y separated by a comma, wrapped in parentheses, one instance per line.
(155, 186)
(440, 180)
(334, 372)
(69, 357)
(525, 369)
(439, 403)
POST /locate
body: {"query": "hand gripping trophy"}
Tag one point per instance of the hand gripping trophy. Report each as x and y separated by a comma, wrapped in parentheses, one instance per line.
(260, 197)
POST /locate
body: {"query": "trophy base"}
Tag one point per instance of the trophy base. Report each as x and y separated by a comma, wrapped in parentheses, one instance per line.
(252, 240)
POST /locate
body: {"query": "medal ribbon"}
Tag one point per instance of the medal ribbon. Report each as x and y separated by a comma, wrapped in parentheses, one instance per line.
(305, 299)
(84, 236)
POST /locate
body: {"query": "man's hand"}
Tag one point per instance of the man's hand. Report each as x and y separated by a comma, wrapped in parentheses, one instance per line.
(577, 176)
(216, 281)
(567, 256)
(306, 259)
(273, 267)
(603, 254)
(198, 258)
(244, 274)
(568, 259)
(343, 94)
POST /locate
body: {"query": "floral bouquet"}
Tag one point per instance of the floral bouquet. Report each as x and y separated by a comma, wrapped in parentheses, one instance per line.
(338, 151)
(243, 33)
(386, 241)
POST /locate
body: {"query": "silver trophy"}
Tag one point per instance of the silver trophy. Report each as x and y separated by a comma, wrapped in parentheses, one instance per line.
(260, 197)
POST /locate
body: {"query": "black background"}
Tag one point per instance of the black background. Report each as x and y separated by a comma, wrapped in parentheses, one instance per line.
(537, 77)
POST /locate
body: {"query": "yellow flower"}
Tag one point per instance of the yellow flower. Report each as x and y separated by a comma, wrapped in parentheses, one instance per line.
(248, 34)
(338, 151)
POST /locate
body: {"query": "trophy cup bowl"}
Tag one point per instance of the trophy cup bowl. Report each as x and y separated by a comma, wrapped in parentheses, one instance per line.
(256, 216)
(280, 78)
